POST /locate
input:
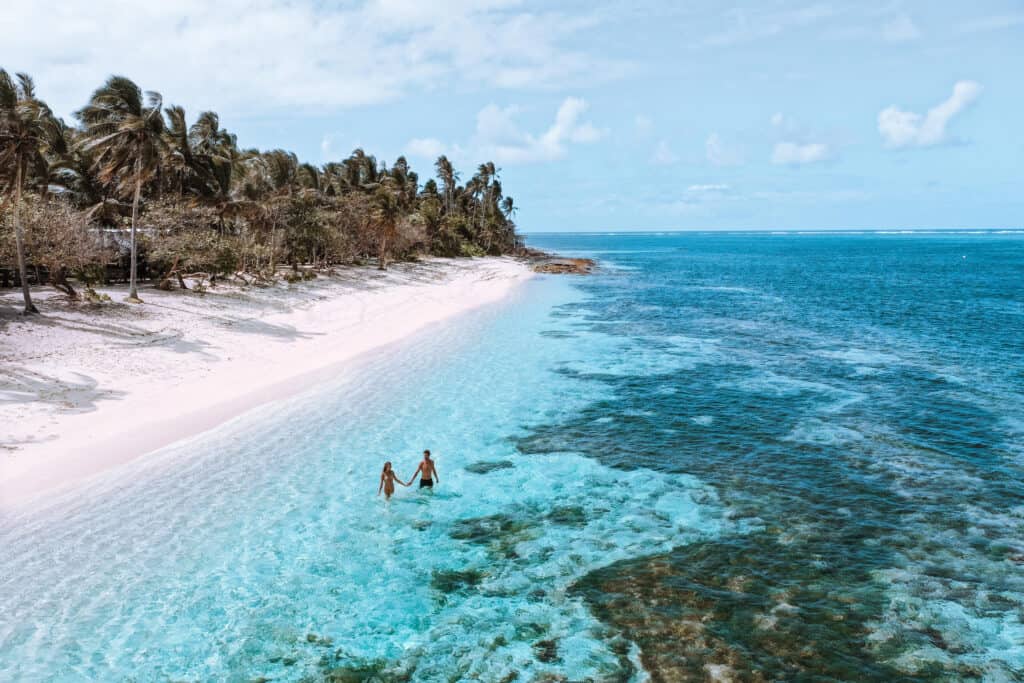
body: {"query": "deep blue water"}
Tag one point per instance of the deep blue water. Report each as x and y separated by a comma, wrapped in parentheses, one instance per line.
(751, 457)
(859, 401)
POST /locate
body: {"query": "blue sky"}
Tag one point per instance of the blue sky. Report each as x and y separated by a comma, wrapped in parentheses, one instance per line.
(601, 115)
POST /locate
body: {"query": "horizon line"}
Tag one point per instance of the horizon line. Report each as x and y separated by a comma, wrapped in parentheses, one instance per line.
(662, 231)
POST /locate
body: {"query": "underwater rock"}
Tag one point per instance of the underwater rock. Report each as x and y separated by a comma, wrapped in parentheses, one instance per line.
(546, 651)
(486, 529)
(569, 515)
(530, 630)
(324, 641)
(361, 670)
(739, 608)
(565, 266)
(452, 580)
(484, 466)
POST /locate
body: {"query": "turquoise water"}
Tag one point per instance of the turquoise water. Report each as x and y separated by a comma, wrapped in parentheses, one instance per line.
(778, 457)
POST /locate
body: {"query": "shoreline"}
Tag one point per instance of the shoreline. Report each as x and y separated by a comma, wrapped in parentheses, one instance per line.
(85, 389)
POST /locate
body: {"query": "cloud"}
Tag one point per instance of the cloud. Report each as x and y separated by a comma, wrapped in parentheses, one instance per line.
(429, 148)
(804, 196)
(663, 154)
(795, 154)
(901, 128)
(749, 26)
(698, 199)
(499, 137)
(900, 30)
(795, 144)
(327, 146)
(331, 149)
(256, 57)
(721, 153)
(993, 23)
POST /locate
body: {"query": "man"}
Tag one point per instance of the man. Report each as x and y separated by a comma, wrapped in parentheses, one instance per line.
(427, 470)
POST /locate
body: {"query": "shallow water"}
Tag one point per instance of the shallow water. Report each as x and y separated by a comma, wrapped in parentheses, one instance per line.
(260, 549)
(767, 457)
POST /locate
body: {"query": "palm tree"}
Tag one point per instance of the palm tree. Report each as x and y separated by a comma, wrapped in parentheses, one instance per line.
(71, 168)
(179, 162)
(27, 128)
(216, 151)
(508, 207)
(387, 211)
(446, 172)
(127, 134)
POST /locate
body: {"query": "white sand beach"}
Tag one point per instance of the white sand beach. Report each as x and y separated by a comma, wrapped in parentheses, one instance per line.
(86, 387)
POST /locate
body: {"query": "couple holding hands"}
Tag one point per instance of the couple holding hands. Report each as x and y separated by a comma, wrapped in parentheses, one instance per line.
(425, 471)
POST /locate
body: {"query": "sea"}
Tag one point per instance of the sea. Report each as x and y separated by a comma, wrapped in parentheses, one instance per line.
(722, 456)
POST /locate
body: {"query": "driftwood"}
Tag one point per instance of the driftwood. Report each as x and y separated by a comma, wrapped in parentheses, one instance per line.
(165, 282)
(60, 281)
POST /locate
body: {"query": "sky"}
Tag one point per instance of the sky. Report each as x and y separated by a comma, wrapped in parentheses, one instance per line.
(601, 115)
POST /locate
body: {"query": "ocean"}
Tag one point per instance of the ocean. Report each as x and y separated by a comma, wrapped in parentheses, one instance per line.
(720, 457)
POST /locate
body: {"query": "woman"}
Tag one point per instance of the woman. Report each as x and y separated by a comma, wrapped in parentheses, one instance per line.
(387, 481)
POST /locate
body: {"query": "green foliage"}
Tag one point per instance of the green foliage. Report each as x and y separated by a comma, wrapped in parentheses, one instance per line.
(207, 205)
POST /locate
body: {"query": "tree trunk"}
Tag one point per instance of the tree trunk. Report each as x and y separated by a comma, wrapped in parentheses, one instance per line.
(60, 281)
(382, 263)
(133, 291)
(273, 249)
(19, 239)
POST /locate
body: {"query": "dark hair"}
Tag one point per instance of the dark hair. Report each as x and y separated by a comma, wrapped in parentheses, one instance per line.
(427, 452)
(387, 465)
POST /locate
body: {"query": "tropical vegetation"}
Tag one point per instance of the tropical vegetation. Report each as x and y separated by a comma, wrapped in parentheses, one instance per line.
(135, 190)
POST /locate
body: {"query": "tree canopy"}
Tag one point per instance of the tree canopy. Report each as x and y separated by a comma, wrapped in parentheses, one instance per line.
(202, 202)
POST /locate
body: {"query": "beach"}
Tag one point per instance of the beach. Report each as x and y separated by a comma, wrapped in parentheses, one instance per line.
(716, 454)
(84, 388)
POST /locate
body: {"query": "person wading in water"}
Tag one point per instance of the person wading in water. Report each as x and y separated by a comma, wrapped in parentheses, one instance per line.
(427, 470)
(387, 481)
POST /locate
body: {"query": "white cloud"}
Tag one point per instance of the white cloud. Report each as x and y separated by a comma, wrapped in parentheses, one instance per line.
(901, 29)
(900, 128)
(795, 144)
(259, 57)
(795, 154)
(327, 146)
(499, 137)
(333, 146)
(644, 124)
(699, 199)
(811, 197)
(429, 148)
(721, 153)
(747, 26)
(993, 23)
(663, 154)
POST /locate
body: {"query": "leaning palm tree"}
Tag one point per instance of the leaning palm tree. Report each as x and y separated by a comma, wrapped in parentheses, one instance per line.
(387, 212)
(508, 207)
(127, 134)
(449, 178)
(27, 128)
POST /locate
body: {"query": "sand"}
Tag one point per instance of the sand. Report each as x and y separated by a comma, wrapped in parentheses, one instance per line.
(84, 387)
